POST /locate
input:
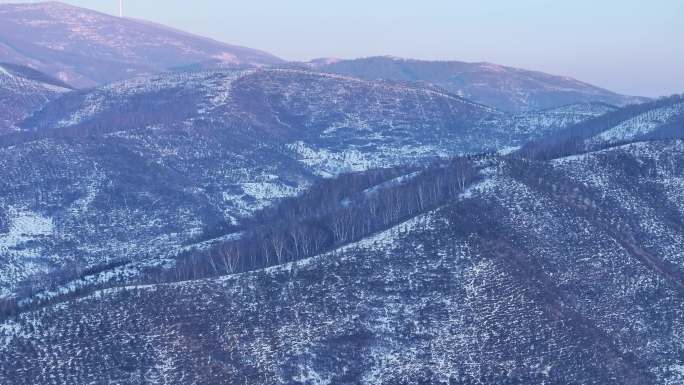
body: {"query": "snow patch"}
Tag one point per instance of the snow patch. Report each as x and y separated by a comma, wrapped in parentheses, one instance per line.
(508, 150)
(227, 57)
(327, 163)
(8, 331)
(640, 125)
(24, 227)
(479, 188)
(3, 71)
(93, 104)
(268, 190)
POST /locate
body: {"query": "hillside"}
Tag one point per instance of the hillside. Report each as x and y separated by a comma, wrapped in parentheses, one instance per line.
(541, 272)
(659, 119)
(23, 91)
(176, 210)
(136, 169)
(85, 48)
(506, 88)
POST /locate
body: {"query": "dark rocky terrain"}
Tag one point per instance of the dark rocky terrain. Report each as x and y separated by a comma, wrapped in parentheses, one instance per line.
(85, 48)
(565, 271)
(506, 88)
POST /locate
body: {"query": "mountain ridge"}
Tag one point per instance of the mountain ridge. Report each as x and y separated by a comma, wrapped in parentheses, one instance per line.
(23, 91)
(507, 88)
(87, 48)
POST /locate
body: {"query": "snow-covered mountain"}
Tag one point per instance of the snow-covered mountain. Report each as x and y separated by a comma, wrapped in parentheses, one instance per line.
(175, 210)
(136, 169)
(506, 88)
(22, 91)
(85, 48)
(663, 118)
(659, 119)
(559, 271)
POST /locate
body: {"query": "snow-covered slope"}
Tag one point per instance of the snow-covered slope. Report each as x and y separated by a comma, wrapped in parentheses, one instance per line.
(642, 124)
(85, 48)
(659, 119)
(137, 169)
(548, 122)
(506, 88)
(363, 122)
(22, 91)
(545, 272)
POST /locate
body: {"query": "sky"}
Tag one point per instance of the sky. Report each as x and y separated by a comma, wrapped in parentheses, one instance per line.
(628, 46)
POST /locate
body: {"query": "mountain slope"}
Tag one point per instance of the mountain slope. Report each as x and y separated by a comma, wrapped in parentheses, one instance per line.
(340, 113)
(86, 48)
(668, 116)
(137, 169)
(659, 119)
(506, 88)
(23, 91)
(544, 272)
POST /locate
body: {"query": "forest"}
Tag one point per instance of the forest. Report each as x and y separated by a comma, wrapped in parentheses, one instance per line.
(332, 213)
(572, 139)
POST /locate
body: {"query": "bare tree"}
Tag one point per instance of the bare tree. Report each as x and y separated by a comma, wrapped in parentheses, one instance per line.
(278, 243)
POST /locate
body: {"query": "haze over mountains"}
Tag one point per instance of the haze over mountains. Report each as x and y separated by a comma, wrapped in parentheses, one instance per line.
(506, 88)
(85, 48)
(196, 212)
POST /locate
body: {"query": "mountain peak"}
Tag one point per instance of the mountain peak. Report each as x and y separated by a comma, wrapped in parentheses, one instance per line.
(87, 48)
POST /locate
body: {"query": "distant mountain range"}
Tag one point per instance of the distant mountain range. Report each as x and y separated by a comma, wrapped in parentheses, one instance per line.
(176, 210)
(85, 48)
(506, 88)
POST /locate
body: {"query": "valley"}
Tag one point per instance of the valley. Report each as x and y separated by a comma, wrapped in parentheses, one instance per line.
(179, 210)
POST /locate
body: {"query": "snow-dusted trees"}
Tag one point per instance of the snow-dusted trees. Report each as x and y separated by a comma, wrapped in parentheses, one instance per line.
(229, 256)
(4, 221)
(9, 307)
(463, 172)
(333, 213)
(341, 226)
(278, 241)
(572, 139)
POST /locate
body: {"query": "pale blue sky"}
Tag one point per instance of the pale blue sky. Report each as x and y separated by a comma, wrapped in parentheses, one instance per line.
(630, 46)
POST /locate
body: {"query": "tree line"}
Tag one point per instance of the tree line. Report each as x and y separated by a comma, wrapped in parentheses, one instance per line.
(332, 214)
(26, 299)
(571, 140)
